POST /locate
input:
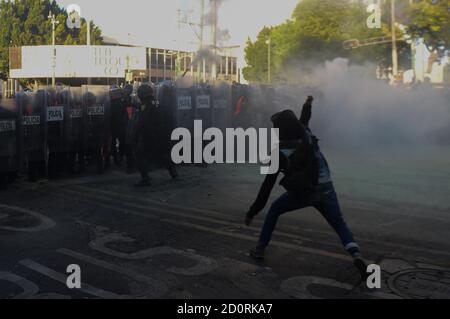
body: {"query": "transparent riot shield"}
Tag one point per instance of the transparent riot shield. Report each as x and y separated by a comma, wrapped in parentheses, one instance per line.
(9, 140)
(221, 106)
(241, 106)
(185, 108)
(57, 120)
(75, 131)
(166, 100)
(33, 114)
(96, 103)
(203, 107)
(132, 107)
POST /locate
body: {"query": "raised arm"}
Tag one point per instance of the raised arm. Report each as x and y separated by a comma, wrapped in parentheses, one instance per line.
(306, 111)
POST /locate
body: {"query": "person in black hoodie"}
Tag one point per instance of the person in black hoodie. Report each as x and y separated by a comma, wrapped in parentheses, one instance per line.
(307, 180)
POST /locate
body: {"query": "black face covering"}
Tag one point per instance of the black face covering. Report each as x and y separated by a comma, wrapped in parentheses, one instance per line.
(288, 125)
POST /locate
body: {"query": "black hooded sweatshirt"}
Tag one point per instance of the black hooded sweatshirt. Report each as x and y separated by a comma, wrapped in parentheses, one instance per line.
(297, 131)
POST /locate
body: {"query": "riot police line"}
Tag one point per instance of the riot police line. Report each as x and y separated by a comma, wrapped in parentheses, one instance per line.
(63, 131)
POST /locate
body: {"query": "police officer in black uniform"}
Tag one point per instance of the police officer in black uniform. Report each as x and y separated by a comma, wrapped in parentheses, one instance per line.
(119, 119)
(131, 109)
(8, 145)
(152, 138)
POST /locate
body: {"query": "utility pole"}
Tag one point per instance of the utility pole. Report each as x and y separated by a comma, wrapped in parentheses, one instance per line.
(202, 23)
(54, 22)
(214, 38)
(201, 64)
(88, 41)
(88, 36)
(394, 41)
(269, 58)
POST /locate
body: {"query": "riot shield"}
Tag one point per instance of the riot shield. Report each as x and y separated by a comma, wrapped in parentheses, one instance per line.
(96, 103)
(118, 124)
(57, 119)
(241, 106)
(9, 140)
(185, 108)
(75, 131)
(166, 100)
(33, 113)
(221, 106)
(203, 109)
(132, 107)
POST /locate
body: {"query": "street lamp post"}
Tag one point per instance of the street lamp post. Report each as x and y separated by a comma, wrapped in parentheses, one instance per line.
(54, 22)
(269, 53)
(394, 41)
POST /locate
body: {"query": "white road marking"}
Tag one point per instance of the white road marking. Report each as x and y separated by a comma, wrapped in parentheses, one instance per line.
(208, 212)
(117, 195)
(46, 222)
(203, 264)
(86, 288)
(202, 228)
(154, 288)
(29, 288)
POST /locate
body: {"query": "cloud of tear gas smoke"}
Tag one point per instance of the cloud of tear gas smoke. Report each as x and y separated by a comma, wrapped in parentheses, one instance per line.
(211, 17)
(354, 109)
(206, 54)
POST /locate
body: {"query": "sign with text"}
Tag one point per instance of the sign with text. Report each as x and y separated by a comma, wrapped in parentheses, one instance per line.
(79, 61)
(7, 126)
(96, 110)
(203, 102)
(32, 120)
(184, 103)
(55, 113)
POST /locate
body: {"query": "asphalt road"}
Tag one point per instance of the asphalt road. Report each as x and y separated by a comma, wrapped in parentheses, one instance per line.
(186, 238)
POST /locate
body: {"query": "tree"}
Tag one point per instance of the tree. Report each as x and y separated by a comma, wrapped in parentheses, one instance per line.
(25, 22)
(430, 20)
(256, 54)
(314, 34)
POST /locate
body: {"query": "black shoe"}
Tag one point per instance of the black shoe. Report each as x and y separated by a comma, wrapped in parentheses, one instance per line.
(257, 253)
(143, 183)
(361, 265)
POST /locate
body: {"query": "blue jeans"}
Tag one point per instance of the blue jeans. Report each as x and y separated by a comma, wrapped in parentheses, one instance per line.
(324, 199)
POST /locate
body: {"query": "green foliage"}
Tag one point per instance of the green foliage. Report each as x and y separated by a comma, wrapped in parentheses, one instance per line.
(430, 20)
(315, 34)
(317, 29)
(25, 22)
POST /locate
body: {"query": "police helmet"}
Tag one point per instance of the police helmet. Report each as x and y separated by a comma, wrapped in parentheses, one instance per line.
(145, 91)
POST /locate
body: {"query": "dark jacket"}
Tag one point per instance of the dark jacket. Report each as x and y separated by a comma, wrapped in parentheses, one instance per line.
(119, 117)
(152, 134)
(300, 135)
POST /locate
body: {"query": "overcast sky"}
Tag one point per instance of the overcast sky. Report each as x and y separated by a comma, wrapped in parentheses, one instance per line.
(154, 22)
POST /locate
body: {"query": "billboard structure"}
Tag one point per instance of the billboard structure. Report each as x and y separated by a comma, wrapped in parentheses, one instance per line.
(77, 61)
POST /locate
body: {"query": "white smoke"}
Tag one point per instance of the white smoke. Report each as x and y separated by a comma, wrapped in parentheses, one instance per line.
(211, 17)
(353, 108)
